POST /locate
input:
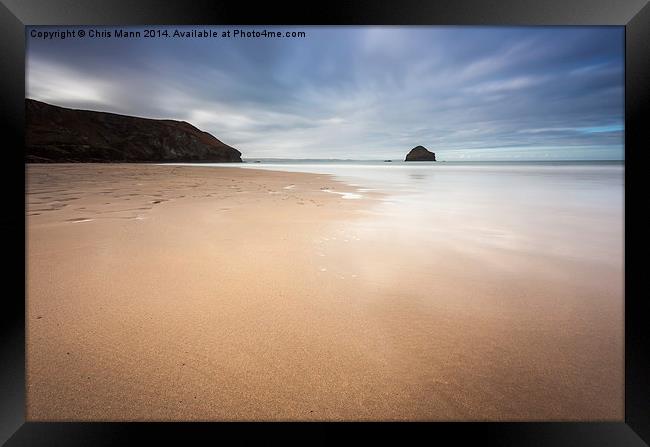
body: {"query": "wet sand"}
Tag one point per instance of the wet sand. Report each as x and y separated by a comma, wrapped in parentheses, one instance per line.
(190, 293)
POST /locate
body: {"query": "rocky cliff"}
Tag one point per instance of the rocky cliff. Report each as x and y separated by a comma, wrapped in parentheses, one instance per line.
(420, 153)
(59, 135)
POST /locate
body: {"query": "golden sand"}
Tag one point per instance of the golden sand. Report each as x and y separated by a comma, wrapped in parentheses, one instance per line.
(192, 293)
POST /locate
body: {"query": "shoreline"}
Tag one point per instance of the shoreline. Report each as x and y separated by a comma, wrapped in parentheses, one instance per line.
(251, 294)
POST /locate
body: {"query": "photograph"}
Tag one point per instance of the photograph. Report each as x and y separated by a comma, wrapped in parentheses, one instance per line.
(325, 223)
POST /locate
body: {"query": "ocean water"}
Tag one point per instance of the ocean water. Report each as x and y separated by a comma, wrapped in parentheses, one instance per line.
(569, 209)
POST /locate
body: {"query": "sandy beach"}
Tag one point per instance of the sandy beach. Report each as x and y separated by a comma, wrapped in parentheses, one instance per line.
(193, 293)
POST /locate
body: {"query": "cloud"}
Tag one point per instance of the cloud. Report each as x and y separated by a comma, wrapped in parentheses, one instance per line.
(61, 85)
(360, 92)
(506, 85)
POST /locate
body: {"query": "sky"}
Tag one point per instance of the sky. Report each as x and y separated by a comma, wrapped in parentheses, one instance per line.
(466, 93)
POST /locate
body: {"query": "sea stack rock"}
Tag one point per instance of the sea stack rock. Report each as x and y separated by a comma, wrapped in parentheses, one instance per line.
(60, 135)
(420, 153)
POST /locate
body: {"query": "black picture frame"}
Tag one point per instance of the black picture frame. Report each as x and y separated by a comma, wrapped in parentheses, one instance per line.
(16, 14)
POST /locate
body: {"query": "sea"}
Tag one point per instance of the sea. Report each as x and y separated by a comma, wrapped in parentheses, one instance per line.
(562, 208)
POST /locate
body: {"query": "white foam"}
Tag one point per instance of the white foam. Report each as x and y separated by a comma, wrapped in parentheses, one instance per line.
(344, 195)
